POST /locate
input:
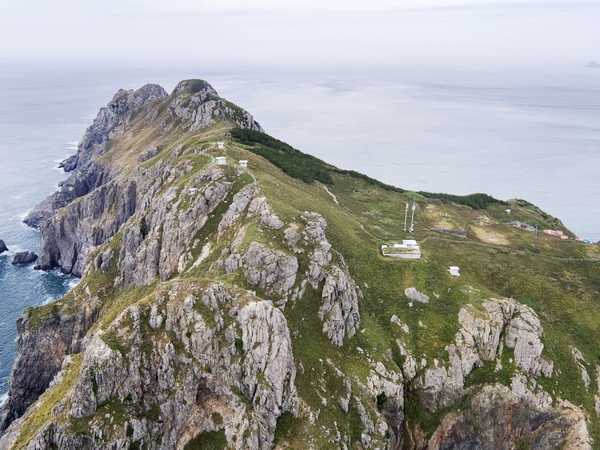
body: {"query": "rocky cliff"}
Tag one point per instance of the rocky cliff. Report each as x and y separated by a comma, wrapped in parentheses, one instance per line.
(225, 307)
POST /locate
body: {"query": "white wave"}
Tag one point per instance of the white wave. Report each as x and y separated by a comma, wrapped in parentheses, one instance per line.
(49, 299)
(74, 282)
(13, 249)
(3, 398)
(73, 143)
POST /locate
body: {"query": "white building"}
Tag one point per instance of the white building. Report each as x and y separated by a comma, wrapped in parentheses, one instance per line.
(244, 163)
(454, 271)
(221, 145)
(409, 249)
(221, 160)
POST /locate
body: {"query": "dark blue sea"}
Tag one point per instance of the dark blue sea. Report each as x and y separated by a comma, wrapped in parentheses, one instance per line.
(531, 133)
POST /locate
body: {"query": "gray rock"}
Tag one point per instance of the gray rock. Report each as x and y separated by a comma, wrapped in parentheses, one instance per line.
(148, 154)
(3, 247)
(291, 237)
(270, 269)
(24, 258)
(88, 172)
(237, 207)
(339, 310)
(42, 347)
(479, 340)
(268, 368)
(497, 421)
(415, 295)
(260, 206)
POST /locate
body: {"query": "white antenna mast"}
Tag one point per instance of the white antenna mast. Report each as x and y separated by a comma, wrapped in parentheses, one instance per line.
(412, 220)
(405, 217)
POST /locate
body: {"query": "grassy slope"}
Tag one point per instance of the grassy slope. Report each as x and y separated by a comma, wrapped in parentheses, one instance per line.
(496, 261)
(559, 290)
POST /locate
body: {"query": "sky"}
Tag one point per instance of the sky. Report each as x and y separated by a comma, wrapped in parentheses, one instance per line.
(311, 33)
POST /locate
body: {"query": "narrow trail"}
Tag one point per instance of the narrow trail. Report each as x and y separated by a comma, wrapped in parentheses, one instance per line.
(229, 127)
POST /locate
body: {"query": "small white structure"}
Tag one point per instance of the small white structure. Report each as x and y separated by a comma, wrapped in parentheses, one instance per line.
(454, 271)
(193, 191)
(409, 249)
(243, 163)
(221, 160)
(221, 145)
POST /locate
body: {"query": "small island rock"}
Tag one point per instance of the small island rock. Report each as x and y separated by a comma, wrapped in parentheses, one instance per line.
(24, 258)
(3, 247)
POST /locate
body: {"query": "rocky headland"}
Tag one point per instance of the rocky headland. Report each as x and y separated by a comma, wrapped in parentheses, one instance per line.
(230, 307)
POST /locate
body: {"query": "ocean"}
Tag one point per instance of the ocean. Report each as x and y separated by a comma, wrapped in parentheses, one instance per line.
(531, 133)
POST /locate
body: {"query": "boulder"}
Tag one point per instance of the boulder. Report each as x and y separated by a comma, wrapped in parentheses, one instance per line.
(148, 154)
(3, 247)
(24, 258)
(415, 295)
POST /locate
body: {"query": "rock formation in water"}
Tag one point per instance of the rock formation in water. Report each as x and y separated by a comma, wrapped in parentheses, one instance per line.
(230, 307)
(3, 247)
(24, 258)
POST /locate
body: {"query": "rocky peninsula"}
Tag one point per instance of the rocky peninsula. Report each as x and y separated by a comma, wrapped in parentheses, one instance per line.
(243, 302)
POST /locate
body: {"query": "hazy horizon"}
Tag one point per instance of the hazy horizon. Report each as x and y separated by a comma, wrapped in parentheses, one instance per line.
(314, 35)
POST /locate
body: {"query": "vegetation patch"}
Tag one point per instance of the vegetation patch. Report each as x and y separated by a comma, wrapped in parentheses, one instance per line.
(209, 440)
(293, 162)
(475, 201)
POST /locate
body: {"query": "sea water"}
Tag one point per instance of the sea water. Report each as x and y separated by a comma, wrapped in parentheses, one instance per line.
(518, 133)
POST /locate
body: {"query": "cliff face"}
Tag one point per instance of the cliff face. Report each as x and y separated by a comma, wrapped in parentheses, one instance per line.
(227, 308)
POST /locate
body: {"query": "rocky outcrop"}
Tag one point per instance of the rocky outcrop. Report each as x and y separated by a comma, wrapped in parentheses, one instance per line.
(270, 269)
(106, 200)
(43, 340)
(415, 295)
(269, 369)
(148, 154)
(84, 224)
(24, 258)
(339, 311)
(88, 172)
(195, 105)
(240, 202)
(276, 272)
(3, 247)
(192, 360)
(388, 387)
(260, 206)
(502, 416)
(479, 340)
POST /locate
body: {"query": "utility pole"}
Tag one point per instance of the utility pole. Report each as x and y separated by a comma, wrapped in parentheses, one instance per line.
(405, 217)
